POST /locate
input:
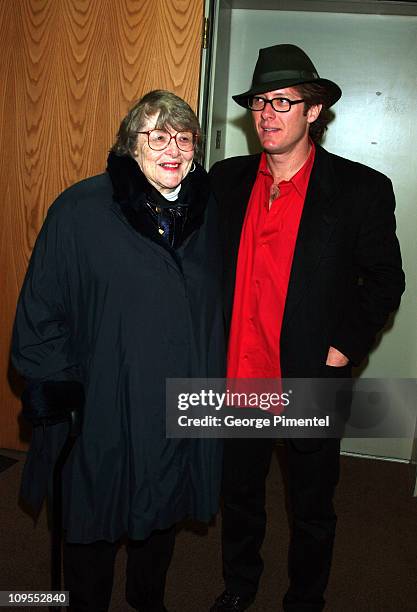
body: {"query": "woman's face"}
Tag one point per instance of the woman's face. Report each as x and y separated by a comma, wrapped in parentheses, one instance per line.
(164, 169)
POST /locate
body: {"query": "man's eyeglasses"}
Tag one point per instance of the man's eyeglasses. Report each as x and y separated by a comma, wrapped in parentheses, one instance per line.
(160, 139)
(280, 105)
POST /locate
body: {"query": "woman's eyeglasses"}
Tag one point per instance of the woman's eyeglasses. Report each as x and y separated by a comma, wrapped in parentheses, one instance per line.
(160, 139)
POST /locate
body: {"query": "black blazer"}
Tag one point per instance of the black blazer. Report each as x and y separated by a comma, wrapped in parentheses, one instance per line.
(346, 275)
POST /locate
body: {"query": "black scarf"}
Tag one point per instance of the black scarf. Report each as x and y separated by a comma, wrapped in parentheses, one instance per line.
(148, 211)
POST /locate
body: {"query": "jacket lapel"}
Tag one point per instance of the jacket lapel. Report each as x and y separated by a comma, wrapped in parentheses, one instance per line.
(235, 203)
(232, 215)
(318, 219)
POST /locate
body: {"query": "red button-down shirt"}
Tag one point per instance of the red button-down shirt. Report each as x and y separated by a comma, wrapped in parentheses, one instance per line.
(265, 257)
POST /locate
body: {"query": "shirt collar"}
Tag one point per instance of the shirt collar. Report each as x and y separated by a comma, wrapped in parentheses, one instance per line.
(300, 179)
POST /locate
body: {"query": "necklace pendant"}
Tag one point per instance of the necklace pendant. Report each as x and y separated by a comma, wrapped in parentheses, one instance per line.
(274, 193)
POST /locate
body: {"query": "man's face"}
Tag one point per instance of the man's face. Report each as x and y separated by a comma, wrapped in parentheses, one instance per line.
(283, 132)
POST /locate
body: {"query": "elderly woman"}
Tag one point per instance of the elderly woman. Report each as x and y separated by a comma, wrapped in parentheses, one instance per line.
(121, 293)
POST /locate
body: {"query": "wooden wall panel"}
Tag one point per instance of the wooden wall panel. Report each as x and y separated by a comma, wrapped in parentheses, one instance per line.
(69, 71)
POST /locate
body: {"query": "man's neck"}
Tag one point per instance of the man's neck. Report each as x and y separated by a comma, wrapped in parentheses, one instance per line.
(284, 165)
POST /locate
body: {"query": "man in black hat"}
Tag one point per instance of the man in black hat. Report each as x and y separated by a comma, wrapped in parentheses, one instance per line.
(312, 271)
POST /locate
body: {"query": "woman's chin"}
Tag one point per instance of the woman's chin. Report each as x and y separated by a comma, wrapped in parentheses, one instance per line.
(168, 183)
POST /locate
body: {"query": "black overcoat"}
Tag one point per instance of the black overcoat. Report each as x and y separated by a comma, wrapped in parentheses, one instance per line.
(104, 304)
(346, 275)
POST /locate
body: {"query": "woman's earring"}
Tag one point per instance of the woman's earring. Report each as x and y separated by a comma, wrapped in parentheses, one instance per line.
(192, 167)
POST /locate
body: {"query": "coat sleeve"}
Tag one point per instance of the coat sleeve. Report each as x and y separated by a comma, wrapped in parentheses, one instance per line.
(381, 283)
(42, 344)
(42, 352)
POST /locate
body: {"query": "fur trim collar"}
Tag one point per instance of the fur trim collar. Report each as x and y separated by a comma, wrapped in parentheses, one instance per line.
(132, 191)
(131, 188)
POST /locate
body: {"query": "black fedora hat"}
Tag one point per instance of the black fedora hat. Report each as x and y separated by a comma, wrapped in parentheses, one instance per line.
(284, 66)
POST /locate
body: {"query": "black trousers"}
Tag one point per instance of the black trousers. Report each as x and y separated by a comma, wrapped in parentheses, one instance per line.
(89, 569)
(313, 472)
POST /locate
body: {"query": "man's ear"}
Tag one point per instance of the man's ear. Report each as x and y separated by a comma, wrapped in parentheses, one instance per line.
(313, 112)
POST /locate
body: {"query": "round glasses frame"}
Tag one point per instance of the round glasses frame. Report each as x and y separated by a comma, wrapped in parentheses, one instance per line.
(258, 104)
(156, 145)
